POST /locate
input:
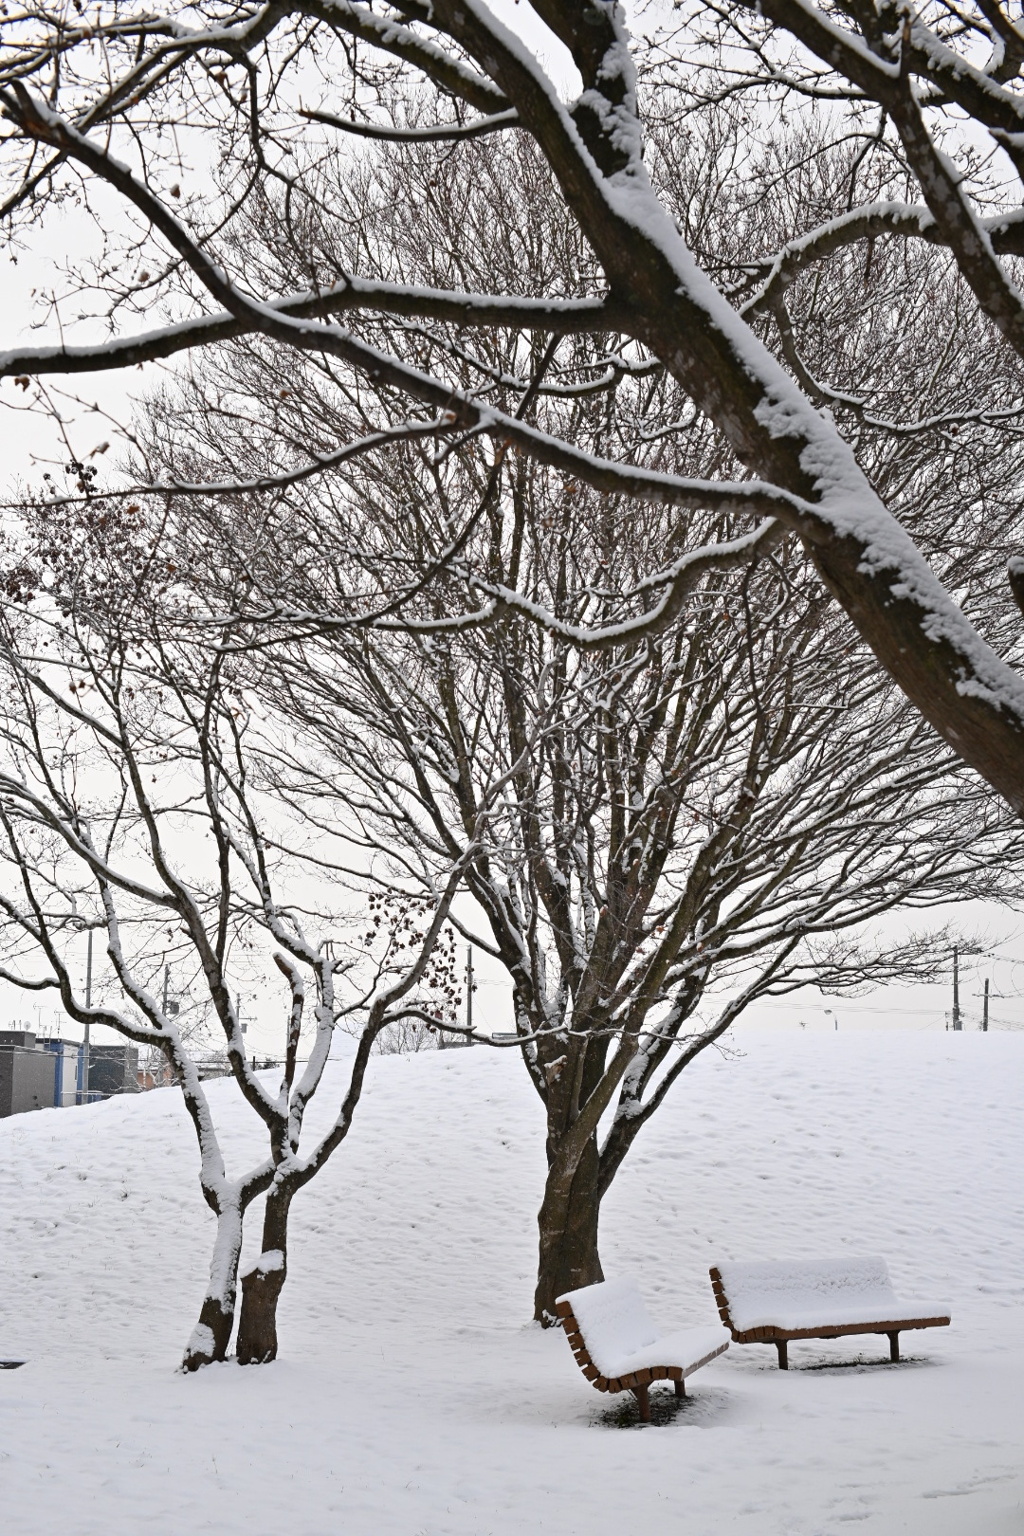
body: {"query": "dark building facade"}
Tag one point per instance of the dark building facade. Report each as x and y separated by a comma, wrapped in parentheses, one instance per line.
(113, 1069)
(26, 1073)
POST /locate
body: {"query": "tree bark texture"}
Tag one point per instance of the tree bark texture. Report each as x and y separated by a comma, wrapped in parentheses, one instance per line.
(568, 1221)
(262, 1285)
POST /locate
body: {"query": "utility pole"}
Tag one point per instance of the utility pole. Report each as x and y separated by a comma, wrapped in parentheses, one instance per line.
(84, 1096)
(956, 988)
(171, 1006)
(984, 1016)
(469, 991)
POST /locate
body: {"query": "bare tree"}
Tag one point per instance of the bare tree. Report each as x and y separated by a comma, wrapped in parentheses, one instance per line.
(149, 112)
(682, 795)
(662, 835)
(131, 804)
(666, 828)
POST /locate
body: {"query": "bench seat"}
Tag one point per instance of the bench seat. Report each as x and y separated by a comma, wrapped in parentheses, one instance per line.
(822, 1299)
(618, 1347)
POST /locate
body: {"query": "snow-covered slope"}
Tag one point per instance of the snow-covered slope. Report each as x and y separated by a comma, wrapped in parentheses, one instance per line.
(415, 1399)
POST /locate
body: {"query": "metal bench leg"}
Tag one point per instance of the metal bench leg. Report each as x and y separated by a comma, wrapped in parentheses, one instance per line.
(680, 1388)
(894, 1347)
(643, 1399)
(782, 1345)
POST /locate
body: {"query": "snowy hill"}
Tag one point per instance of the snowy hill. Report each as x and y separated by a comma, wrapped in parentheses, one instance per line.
(414, 1398)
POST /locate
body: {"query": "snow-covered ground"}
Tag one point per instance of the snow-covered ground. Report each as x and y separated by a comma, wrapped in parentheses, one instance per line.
(415, 1398)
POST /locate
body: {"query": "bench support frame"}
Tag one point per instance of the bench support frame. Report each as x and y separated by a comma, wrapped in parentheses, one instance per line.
(782, 1345)
(780, 1338)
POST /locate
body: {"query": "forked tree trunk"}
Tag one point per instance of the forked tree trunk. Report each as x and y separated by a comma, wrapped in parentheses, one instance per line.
(212, 1334)
(568, 1220)
(262, 1285)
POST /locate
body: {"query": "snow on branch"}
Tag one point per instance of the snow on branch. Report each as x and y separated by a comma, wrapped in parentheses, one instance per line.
(320, 463)
(439, 134)
(679, 580)
(557, 316)
(451, 74)
(869, 222)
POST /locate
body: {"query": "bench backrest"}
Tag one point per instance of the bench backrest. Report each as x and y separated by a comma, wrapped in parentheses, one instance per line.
(747, 1288)
(612, 1319)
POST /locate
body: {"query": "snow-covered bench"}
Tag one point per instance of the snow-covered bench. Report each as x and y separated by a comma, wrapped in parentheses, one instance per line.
(825, 1299)
(619, 1349)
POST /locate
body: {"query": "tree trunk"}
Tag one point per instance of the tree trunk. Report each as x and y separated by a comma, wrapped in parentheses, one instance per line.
(568, 1221)
(263, 1283)
(212, 1334)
